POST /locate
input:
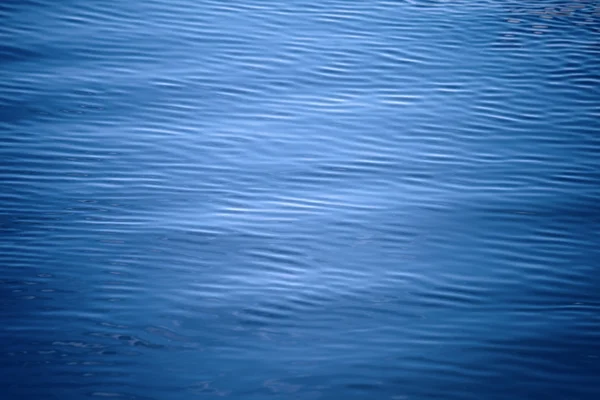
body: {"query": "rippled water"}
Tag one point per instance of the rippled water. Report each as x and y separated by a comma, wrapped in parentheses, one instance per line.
(300, 200)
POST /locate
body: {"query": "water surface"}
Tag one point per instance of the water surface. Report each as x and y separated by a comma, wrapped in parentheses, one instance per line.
(306, 199)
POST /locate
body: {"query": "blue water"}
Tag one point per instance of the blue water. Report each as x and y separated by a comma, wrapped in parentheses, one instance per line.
(302, 199)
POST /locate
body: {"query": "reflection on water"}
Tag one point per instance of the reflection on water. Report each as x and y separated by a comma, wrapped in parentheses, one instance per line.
(305, 200)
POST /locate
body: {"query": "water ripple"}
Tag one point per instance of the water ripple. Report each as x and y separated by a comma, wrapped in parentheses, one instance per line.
(299, 200)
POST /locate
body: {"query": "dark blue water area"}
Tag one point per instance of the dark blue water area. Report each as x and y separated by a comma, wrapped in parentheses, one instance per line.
(259, 199)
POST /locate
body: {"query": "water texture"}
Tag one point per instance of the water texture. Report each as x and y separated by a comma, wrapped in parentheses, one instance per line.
(257, 199)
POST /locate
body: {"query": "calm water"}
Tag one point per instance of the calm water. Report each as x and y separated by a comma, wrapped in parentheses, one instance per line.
(301, 199)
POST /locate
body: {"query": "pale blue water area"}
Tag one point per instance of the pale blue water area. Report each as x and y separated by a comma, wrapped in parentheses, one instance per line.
(300, 199)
